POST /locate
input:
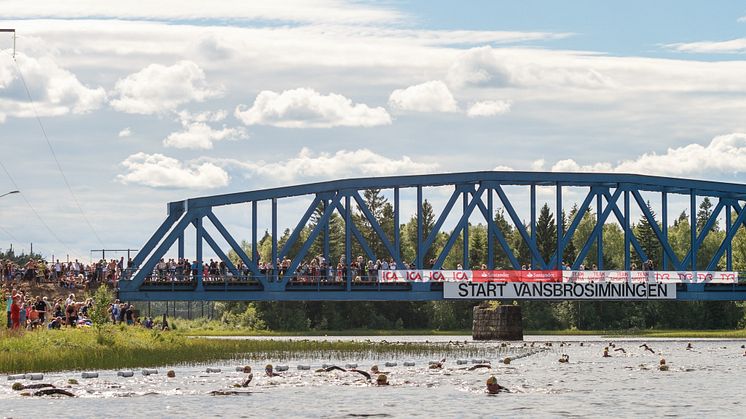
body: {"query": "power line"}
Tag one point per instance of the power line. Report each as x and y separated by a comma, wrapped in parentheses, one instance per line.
(12, 237)
(54, 155)
(15, 185)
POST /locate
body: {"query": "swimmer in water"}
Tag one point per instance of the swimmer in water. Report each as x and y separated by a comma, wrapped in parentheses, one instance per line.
(374, 369)
(247, 370)
(564, 359)
(620, 350)
(493, 387)
(647, 348)
(382, 380)
(662, 365)
(606, 353)
(437, 365)
(270, 372)
(689, 346)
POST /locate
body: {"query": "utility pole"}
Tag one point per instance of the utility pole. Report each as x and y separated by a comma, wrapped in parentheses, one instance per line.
(13, 31)
(103, 252)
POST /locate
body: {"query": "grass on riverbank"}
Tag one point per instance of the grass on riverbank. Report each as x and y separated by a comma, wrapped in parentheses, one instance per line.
(133, 347)
(203, 327)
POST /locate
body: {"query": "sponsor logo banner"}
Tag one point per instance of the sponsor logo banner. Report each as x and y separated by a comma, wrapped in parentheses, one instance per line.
(558, 291)
(665, 277)
(580, 277)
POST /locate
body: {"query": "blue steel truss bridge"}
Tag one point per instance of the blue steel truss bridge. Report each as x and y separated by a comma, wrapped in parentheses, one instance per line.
(614, 197)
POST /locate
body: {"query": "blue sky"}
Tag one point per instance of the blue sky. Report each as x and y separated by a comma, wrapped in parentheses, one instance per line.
(146, 103)
(623, 28)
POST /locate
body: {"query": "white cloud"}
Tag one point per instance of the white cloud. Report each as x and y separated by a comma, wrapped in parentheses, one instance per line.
(489, 108)
(198, 135)
(306, 108)
(55, 90)
(125, 132)
(307, 166)
(725, 154)
(159, 171)
(742, 19)
(158, 88)
(501, 168)
(431, 96)
(489, 67)
(733, 46)
(311, 11)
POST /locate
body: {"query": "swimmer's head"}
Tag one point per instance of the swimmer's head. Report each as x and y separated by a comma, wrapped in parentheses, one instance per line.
(382, 380)
(492, 380)
(246, 369)
(374, 368)
(171, 374)
(663, 361)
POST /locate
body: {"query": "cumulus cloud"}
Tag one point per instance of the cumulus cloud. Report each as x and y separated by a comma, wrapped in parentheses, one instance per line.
(489, 108)
(431, 96)
(197, 134)
(490, 67)
(158, 88)
(55, 90)
(501, 168)
(725, 154)
(733, 46)
(306, 108)
(125, 132)
(308, 165)
(159, 171)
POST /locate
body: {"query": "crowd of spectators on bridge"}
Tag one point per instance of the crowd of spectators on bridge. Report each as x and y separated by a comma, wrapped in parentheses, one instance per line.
(316, 269)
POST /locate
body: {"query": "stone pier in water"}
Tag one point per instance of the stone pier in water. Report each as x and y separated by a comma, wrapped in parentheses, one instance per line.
(497, 322)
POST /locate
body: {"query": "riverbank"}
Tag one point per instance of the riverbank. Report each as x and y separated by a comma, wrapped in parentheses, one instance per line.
(683, 334)
(215, 328)
(118, 347)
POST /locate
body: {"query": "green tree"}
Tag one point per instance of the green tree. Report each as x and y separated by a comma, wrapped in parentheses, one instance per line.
(546, 233)
(648, 241)
(501, 258)
(703, 214)
(410, 236)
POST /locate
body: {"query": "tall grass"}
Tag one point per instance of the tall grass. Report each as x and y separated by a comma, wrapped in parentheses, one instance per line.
(132, 347)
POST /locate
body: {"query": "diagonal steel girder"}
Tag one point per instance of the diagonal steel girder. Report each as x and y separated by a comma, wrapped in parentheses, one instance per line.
(575, 223)
(333, 201)
(463, 223)
(705, 230)
(519, 225)
(662, 239)
(262, 278)
(375, 225)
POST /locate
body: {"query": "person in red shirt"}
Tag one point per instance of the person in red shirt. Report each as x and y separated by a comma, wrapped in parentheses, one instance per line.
(15, 313)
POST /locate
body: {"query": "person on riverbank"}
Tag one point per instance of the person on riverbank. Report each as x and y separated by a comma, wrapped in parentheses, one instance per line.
(8, 304)
(15, 312)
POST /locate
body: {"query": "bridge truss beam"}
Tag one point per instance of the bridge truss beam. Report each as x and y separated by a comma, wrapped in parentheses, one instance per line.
(342, 201)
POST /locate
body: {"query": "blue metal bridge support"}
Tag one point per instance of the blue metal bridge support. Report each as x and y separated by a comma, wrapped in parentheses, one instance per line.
(480, 194)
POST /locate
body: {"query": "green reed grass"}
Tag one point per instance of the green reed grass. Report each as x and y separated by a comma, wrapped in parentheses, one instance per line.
(116, 347)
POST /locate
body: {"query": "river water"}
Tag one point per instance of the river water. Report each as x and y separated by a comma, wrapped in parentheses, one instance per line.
(702, 382)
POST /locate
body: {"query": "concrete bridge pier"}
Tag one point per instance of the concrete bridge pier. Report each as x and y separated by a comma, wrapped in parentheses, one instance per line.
(497, 322)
